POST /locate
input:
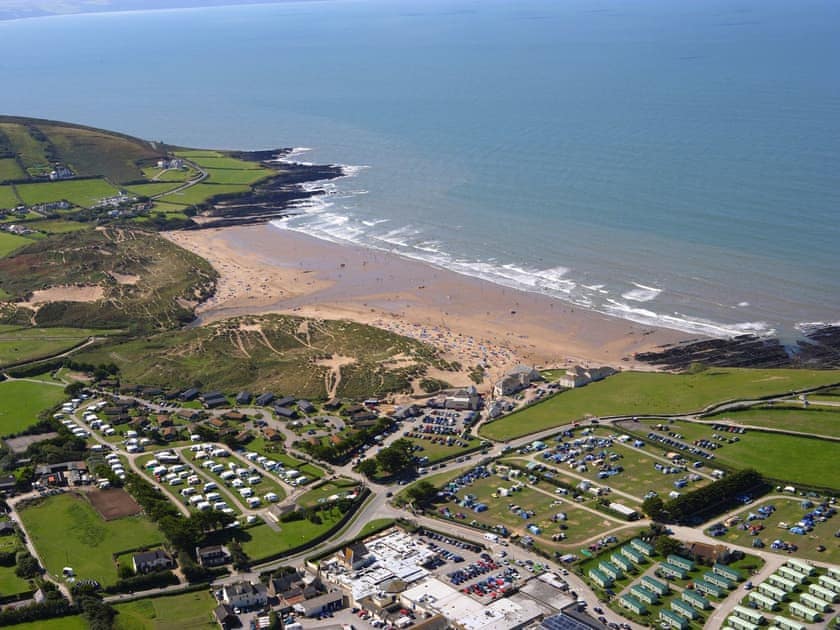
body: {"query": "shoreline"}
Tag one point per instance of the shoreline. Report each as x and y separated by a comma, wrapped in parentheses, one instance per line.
(266, 269)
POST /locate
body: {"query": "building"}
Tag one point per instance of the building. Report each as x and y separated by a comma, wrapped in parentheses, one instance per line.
(579, 376)
(669, 570)
(212, 556)
(8, 483)
(245, 595)
(718, 580)
(516, 380)
(823, 593)
(704, 552)
(244, 398)
(762, 601)
(830, 583)
(263, 400)
(644, 594)
(681, 562)
(600, 578)
(788, 624)
(708, 588)
(773, 592)
(657, 586)
(354, 556)
(748, 614)
(225, 617)
(150, 561)
(331, 601)
(641, 546)
(727, 572)
(807, 613)
(463, 399)
(632, 604)
(633, 555)
(798, 565)
(683, 609)
(672, 619)
(783, 583)
(612, 570)
(695, 599)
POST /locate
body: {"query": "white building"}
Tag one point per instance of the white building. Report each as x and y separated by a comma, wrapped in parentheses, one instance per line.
(516, 380)
(579, 376)
(245, 595)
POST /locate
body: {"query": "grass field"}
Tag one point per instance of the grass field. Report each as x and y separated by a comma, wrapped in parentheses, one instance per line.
(238, 175)
(814, 419)
(438, 452)
(80, 192)
(26, 344)
(10, 169)
(22, 401)
(60, 226)
(630, 393)
(31, 151)
(261, 541)
(327, 489)
(75, 622)
(11, 584)
(189, 611)
(209, 161)
(153, 188)
(790, 511)
(799, 460)
(67, 531)
(376, 525)
(200, 193)
(11, 242)
(8, 198)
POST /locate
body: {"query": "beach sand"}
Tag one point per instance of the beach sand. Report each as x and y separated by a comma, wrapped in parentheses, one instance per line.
(265, 269)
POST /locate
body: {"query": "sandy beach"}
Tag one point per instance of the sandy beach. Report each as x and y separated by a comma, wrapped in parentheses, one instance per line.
(264, 269)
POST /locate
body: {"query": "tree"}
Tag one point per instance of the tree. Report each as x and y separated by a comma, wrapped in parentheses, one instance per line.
(396, 457)
(665, 545)
(422, 492)
(367, 467)
(653, 507)
(27, 566)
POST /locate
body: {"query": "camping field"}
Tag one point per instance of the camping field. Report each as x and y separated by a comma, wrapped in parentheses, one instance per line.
(67, 531)
(789, 511)
(815, 419)
(778, 456)
(631, 393)
(22, 401)
(189, 611)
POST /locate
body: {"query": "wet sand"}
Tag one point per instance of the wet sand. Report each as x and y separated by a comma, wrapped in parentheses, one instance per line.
(269, 270)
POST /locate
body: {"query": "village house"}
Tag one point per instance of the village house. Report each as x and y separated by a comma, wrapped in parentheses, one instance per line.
(516, 380)
(245, 595)
(212, 556)
(150, 561)
(463, 399)
(272, 435)
(579, 376)
(263, 400)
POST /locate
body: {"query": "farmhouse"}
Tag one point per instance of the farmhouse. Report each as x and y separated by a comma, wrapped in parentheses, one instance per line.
(149, 561)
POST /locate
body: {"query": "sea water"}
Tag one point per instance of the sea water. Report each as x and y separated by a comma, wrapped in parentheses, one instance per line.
(673, 163)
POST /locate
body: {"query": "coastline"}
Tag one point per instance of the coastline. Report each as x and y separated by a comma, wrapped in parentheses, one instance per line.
(265, 269)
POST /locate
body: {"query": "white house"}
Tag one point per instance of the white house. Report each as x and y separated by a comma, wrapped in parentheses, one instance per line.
(245, 595)
(517, 379)
(579, 376)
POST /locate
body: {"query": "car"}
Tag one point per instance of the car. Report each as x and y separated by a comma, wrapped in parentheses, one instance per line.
(389, 494)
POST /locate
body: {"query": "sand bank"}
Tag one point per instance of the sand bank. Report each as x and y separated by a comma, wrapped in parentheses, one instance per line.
(265, 269)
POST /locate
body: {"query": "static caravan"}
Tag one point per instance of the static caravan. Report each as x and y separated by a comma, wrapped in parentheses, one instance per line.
(683, 609)
(771, 591)
(747, 614)
(791, 574)
(830, 583)
(814, 602)
(630, 553)
(799, 565)
(788, 624)
(806, 612)
(612, 570)
(657, 586)
(823, 593)
(707, 588)
(741, 624)
(683, 563)
(727, 572)
(600, 578)
(644, 594)
(834, 572)
(672, 619)
(641, 546)
(632, 604)
(718, 580)
(762, 601)
(622, 562)
(783, 583)
(695, 599)
(672, 571)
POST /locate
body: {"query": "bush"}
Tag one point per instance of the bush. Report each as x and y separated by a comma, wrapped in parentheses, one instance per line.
(144, 582)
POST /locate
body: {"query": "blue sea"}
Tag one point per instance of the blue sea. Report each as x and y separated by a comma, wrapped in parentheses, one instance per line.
(673, 163)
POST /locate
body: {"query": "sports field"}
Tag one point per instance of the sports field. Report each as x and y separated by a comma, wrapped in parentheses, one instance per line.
(22, 401)
(80, 192)
(67, 531)
(631, 393)
(189, 611)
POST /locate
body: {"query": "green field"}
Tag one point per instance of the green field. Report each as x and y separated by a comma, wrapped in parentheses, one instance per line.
(8, 198)
(11, 242)
(80, 192)
(60, 226)
(67, 531)
(799, 460)
(238, 176)
(30, 150)
(74, 622)
(261, 541)
(200, 193)
(208, 161)
(789, 511)
(189, 611)
(815, 420)
(630, 393)
(375, 526)
(327, 489)
(153, 188)
(10, 169)
(11, 584)
(26, 344)
(22, 401)
(439, 452)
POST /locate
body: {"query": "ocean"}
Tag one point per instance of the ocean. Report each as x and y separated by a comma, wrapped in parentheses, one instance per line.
(671, 163)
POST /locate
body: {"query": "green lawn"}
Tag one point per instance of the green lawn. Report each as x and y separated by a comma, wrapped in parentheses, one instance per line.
(375, 526)
(80, 192)
(438, 452)
(67, 531)
(22, 401)
(11, 242)
(11, 584)
(630, 393)
(327, 489)
(9, 169)
(799, 460)
(59, 226)
(26, 344)
(75, 622)
(208, 161)
(261, 541)
(790, 511)
(818, 420)
(174, 612)
(202, 192)
(8, 198)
